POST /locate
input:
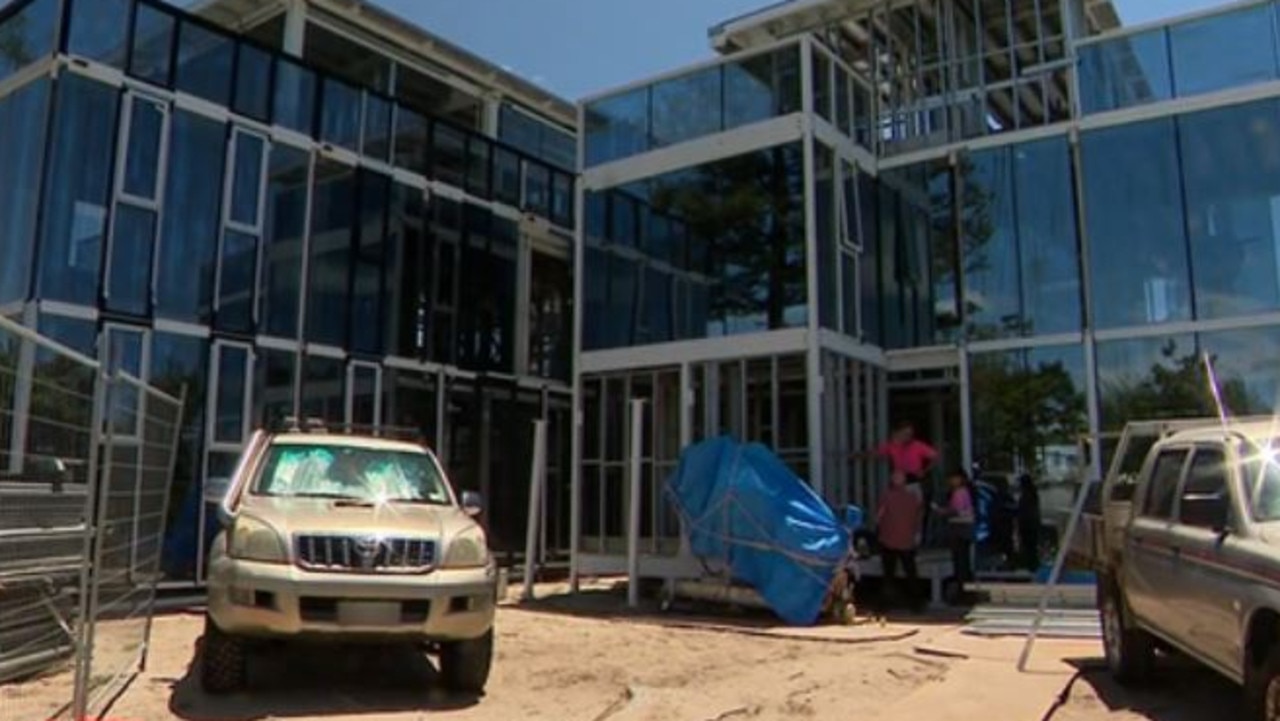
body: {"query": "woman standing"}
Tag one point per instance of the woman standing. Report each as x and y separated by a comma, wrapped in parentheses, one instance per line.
(958, 512)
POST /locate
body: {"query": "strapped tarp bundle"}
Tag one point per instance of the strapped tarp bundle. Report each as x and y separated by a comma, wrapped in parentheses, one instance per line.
(741, 505)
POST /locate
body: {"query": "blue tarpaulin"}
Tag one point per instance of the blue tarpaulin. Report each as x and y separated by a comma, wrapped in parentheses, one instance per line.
(743, 506)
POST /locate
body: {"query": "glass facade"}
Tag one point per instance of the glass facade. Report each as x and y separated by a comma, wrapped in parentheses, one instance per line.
(713, 250)
(154, 218)
(705, 101)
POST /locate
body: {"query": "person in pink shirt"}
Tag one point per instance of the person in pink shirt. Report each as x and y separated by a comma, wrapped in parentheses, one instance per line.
(897, 529)
(958, 510)
(911, 457)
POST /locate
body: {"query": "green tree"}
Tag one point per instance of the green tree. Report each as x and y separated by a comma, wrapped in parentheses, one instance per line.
(1020, 410)
(1176, 386)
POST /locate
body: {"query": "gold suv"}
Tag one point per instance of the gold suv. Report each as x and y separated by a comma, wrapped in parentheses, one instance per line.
(342, 538)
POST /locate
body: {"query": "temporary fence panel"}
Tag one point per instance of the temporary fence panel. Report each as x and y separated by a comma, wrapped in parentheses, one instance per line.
(49, 398)
(141, 428)
(86, 463)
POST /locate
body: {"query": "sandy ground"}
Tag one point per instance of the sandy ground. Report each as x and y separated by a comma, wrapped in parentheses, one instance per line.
(591, 661)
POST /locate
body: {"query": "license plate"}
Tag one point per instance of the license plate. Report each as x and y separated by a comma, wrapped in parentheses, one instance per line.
(368, 613)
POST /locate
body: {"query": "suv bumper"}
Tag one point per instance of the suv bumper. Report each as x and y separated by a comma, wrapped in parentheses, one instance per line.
(283, 601)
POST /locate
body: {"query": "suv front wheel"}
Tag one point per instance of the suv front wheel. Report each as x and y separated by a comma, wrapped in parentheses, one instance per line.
(1262, 688)
(222, 661)
(1130, 650)
(465, 664)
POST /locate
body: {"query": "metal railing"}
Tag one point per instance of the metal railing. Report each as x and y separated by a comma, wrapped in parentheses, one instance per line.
(86, 463)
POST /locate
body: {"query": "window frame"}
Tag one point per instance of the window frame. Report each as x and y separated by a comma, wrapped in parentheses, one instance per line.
(1228, 462)
(1144, 510)
(120, 197)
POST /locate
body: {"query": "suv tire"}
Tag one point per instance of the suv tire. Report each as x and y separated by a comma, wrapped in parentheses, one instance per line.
(1130, 650)
(465, 664)
(222, 661)
(1262, 688)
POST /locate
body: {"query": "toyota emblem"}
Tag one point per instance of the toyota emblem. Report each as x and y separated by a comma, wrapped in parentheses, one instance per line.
(367, 550)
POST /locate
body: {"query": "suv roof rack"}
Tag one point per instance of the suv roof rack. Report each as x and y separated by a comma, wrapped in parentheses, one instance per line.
(291, 424)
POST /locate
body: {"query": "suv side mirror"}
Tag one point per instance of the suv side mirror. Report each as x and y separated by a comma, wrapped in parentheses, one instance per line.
(472, 503)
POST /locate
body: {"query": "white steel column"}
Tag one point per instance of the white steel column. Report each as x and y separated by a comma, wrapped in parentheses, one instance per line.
(633, 502)
(813, 351)
(966, 422)
(576, 413)
(295, 26)
(537, 484)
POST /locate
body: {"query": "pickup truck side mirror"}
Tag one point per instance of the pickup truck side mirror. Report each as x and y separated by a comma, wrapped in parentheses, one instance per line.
(472, 503)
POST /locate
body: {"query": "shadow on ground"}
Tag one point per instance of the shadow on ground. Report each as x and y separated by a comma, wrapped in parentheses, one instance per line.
(1180, 690)
(609, 602)
(314, 682)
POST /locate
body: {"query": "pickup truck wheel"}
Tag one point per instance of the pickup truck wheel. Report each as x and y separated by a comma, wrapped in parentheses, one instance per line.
(1262, 689)
(222, 661)
(1130, 651)
(465, 664)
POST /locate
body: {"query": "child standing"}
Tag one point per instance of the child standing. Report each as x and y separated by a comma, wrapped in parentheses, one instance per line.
(959, 514)
(898, 526)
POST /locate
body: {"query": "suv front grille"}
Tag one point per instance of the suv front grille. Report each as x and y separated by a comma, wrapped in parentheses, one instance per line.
(364, 554)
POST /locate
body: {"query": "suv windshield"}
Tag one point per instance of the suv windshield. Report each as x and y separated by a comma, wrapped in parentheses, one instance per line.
(1260, 462)
(350, 473)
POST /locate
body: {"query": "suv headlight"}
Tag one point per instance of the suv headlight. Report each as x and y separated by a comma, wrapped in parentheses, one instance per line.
(252, 540)
(468, 549)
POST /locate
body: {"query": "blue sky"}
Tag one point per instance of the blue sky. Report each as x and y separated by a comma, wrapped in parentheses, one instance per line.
(579, 47)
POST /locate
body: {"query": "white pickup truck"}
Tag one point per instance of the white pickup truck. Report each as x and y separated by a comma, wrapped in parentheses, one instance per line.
(1188, 553)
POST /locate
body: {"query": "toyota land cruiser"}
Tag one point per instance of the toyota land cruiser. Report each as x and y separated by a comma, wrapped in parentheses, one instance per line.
(341, 538)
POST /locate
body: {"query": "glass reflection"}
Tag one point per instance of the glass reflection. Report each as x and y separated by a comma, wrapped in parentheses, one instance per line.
(236, 282)
(1244, 364)
(731, 232)
(288, 182)
(27, 36)
(340, 114)
(205, 60)
(332, 220)
(324, 383)
(686, 107)
(22, 114)
(98, 30)
(193, 213)
(412, 132)
(229, 406)
(76, 194)
(1223, 51)
(1231, 171)
(295, 96)
(1029, 410)
(180, 363)
(151, 55)
(274, 373)
(246, 181)
(1125, 72)
(253, 82)
(129, 269)
(1137, 238)
(408, 273)
(142, 154)
(1020, 250)
(377, 127)
(366, 305)
(1150, 378)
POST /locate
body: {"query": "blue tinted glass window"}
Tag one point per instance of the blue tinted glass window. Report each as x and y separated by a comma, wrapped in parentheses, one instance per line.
(377, 127)
(332, 221)
(1124, 72)
(22, 114)
(236, 277)
(1233, 202)
(478, 165)
(551, 327)
(228, 418)
(448, 155)
(562, 199)
(595, 291)
(129, 269)
(142, 159)
(408, 273)
(506, 176)
(686, 107)
(1141, 377)
(821, 84)
(1048, 244)
(1027, 405)
(288, 181)
(537, 189)
(28, 36)
(98, 30)
(657, 307)
(246, 183)
(340, 115)
(76, 195)
(1223, 51)
(205, 60)
(1137, 236)
(253, 82)
(617, 127)
(193, 211)
(367, 306)
(295, 101)
(324, 384)
(411, 140)
(151, 55)
(519, 130)
(274, 374)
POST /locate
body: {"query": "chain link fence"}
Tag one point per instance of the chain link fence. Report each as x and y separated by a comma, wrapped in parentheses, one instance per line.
(86, 462)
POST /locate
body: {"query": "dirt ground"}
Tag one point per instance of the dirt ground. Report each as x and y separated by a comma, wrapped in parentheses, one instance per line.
(592, 662)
